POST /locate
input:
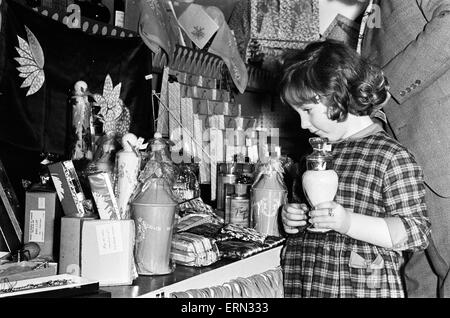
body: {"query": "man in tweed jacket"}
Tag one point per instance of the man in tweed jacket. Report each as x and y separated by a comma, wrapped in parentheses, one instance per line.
(410, 41)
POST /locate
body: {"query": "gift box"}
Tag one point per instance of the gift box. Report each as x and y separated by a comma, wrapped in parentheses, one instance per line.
(43, 221)
(10, 230)
(68, 188)
(100, 250)
(103, 193)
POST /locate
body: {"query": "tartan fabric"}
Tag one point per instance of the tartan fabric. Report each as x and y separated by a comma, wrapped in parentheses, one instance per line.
(377, 177)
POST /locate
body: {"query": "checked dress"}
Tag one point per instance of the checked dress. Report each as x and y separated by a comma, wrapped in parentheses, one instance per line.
(377, 177)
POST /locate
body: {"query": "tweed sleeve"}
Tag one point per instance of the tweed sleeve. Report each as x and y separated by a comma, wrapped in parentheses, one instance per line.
(404, 197)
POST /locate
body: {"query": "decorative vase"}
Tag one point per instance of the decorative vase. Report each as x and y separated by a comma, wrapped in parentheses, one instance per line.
(268, 194)
(153, 209)
(127, 170)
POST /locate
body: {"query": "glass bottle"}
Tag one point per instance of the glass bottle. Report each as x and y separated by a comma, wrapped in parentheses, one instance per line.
(94, 10)
(319, 181)
(186, 186)
(119, 13)
(34, 3)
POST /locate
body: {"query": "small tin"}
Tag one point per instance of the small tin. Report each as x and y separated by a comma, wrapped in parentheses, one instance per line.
(229, 192)
(222, 179)
(240, 210)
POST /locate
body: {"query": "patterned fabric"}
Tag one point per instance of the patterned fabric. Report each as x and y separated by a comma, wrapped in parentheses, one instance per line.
(157, 26)
(363, 26)
(283, 24)
(377, 177)
(239, 23)
(264, 285)
(265, 28)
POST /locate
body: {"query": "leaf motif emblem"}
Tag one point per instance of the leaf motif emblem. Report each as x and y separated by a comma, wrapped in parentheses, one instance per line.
(31, 61)
(103, 208)
(111, 106)
(58, 186)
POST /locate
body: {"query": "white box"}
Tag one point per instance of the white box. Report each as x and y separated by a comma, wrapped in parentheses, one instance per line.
(100, 250)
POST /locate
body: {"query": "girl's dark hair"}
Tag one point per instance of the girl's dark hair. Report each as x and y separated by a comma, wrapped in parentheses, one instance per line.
(334, 72)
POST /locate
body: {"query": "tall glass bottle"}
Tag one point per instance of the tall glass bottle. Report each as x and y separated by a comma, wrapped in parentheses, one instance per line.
(95, 10)
(34, 3)
(319, 181)
(119, 13)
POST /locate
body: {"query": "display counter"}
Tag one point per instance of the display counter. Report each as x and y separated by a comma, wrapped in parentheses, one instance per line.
(185, 278)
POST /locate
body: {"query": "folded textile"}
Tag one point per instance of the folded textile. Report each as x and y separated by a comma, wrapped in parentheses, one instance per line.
(241, 232)
(193, 250)
(237, 249)
(268, 284)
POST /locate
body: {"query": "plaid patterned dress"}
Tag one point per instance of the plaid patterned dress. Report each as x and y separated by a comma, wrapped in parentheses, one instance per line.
(377, 177)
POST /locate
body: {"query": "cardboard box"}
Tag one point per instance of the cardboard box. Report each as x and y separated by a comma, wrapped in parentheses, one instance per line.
(103, 193)
(43, 221)
(68, 188)
(98, 249)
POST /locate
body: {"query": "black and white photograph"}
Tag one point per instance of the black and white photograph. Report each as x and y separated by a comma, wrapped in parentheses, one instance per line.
(225, 156)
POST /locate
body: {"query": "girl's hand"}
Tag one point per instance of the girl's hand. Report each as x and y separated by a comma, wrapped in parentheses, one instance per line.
(330, 215)
(293, 216)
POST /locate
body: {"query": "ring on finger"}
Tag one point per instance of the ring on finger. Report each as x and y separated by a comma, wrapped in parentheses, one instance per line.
(330, 212)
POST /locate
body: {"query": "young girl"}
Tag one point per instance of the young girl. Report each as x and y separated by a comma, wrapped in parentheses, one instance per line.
(379, 209)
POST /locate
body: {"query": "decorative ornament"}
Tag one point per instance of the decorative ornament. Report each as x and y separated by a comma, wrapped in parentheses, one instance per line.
(198, 32)
(113, 113)
(31, 62)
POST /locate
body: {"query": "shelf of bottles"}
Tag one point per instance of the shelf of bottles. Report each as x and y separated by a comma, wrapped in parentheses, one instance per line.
(94, 16)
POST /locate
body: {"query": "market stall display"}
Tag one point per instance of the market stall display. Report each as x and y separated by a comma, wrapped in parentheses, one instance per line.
(127, 210)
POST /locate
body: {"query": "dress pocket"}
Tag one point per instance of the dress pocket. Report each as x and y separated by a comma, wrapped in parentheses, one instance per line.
(366, 273)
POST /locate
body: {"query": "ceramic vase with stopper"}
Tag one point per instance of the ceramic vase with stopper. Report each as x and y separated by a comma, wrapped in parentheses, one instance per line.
(127, 170)
(319, 181)
(153, 209)
(81, 123)
(268, 194)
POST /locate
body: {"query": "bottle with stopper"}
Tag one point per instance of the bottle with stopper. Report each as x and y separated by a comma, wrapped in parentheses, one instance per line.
(127, 170)
(319, 181)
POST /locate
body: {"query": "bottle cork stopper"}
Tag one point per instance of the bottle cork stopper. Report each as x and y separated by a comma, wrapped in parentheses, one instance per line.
(80, 88)
(129, 140)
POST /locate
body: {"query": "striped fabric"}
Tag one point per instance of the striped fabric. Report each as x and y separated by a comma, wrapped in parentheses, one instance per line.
(377, 177)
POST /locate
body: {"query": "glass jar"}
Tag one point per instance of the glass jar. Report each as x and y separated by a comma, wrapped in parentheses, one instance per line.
(186, 186)
(319, 181)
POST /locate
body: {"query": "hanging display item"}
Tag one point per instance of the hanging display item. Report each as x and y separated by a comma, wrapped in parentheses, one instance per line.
(31, 60)
(113, 113)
